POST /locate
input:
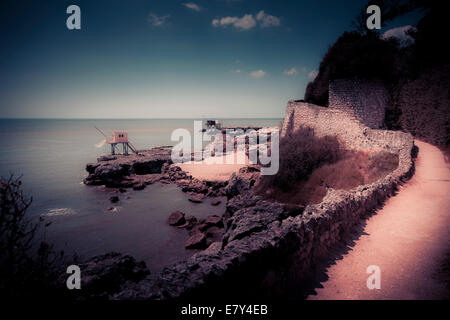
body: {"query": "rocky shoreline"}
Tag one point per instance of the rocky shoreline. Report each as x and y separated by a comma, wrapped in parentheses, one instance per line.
(257, 248)
(152, 166)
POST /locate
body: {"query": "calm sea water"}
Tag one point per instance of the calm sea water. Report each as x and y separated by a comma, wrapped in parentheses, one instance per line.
(52, 154)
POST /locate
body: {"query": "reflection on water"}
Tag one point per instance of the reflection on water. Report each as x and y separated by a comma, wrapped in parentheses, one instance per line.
(52, 154)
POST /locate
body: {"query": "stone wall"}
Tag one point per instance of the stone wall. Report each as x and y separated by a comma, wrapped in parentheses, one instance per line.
(333, 121)
(364, 100)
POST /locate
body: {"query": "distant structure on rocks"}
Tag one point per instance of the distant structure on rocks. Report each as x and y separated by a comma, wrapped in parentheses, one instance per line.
(120, 137)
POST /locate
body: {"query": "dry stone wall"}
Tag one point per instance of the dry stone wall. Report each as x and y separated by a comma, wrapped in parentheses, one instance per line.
(364, 100)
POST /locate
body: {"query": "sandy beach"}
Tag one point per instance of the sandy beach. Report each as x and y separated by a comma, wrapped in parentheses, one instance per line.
(218, 168)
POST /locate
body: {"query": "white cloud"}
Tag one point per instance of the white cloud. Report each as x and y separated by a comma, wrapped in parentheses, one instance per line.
(247, 21)
(291, 72)
(400, 34)
(156, 20)
(313, 74)
(257, 74)
(193, 6)
(267, 20)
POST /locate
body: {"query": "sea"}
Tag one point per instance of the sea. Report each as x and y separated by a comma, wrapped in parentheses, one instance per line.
(50, 156)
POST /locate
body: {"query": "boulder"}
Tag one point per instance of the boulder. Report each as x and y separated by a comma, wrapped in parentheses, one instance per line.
(213, 221)
(196, 241)
(114, 199)
(216, 202)
(197, 198)
(190, 222)
(176, 218)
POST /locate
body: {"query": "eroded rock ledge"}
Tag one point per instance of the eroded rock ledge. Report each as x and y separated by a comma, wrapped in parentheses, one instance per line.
(138, 171)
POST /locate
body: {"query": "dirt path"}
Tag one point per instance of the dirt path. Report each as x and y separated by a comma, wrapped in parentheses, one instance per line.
(408, 239)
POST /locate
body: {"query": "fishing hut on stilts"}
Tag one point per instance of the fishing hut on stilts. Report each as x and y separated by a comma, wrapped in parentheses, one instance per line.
(119, 138)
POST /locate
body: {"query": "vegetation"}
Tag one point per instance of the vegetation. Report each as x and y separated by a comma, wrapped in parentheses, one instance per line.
(417, 75)
(300, 153)
(28, 267)
(309, 165)
(364, 56)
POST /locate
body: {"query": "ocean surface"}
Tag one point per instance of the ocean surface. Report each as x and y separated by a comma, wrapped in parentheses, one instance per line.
(51, 156)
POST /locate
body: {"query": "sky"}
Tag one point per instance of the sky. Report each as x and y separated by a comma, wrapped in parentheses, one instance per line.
(163, 59)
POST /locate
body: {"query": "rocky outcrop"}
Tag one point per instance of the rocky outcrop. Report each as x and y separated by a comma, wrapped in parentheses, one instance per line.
(131, 171)
(177, 218)
(103, 275)
(243, 181)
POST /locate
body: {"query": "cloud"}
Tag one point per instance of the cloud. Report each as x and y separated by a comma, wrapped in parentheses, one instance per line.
(247, 21)
(156, 20)
(291, 72)
(313, 74)
(237, 71)
(267, 20)
(257, 74)
(193, 6)
(400, 33)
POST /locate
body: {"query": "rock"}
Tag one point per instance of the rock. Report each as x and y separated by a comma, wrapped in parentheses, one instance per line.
(213, 221)
(238, 184)
(216, 202)
(106, 158)
(196, 241)
(120, 170)
(198, 198)
(104, 274)
(198, 227)
(191, 221)
(250, 169)
(214, 234)
(122, 190)
(196, 186)
(139, 186)
(90, 167)
(241, 201)
(176, 218)
(213, 248)
(114, 199)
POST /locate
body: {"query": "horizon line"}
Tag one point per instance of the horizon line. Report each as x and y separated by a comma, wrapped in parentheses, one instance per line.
(200, 118)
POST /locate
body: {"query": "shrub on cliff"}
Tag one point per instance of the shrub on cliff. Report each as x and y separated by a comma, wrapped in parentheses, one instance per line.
(425, 106)
(353, 55)
(27, 267)
(301, 152)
